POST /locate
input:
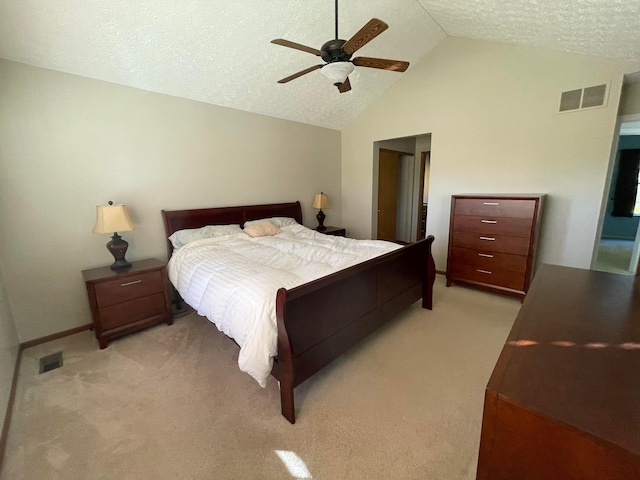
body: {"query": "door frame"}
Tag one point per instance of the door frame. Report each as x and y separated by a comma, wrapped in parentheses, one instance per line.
(607, 190)
(420, 196)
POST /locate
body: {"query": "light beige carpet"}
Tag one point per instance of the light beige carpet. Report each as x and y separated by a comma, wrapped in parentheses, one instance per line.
(615, 256)
(170, 403)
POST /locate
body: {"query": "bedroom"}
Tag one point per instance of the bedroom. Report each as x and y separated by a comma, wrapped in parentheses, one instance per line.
(71, 142)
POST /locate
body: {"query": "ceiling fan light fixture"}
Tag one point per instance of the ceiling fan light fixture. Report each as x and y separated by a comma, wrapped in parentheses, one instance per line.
(337, 72)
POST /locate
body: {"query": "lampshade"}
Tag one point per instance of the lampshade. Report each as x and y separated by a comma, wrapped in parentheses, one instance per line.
(112, 218)
(337, 72)
(320, 201)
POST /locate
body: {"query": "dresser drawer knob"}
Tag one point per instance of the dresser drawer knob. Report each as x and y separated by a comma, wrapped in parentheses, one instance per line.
(489, 221)
(491, 239)
(484, 271)
(486, 255)
(491, 203)
(130, 283)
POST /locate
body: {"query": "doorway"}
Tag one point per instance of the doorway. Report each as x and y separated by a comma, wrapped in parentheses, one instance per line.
(388, 188)
(395, 195)
(400, 188)
(618, 249)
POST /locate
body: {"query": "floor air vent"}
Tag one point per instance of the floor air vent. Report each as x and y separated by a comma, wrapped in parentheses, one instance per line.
(51, 362)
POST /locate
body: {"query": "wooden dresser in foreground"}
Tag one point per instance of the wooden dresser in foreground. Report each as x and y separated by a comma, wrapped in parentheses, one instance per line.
(127, 300)
(492, 241)
(563, 402)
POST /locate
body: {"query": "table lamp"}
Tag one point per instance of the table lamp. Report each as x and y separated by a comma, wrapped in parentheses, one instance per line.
(113, 219)
(320, 201)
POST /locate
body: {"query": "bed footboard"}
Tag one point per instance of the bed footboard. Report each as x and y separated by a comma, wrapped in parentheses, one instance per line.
(320, 320)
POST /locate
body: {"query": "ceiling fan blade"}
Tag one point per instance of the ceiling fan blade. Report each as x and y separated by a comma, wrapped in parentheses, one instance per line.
(381, 63)
(300, 73)
(297, 46)
(345, 86)
(367, 33)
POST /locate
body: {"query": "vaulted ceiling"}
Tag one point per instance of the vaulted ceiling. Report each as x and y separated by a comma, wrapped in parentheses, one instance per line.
(219, 51)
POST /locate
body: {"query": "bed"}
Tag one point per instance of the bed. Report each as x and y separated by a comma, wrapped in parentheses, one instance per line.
(319, 320)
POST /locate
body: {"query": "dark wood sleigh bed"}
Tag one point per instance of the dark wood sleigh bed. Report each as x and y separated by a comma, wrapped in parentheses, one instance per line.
(322, 319)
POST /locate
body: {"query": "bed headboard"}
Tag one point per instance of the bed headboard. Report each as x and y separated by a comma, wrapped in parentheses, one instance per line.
(175, 220)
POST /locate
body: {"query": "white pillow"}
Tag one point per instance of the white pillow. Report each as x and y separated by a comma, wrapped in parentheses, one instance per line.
(277, 221)
(263, 228)
(181, 237)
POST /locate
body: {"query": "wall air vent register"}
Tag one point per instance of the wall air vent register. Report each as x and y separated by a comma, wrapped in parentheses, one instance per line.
(589, 97)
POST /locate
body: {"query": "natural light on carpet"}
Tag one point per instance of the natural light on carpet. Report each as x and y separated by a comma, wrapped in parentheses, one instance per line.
(294, 464)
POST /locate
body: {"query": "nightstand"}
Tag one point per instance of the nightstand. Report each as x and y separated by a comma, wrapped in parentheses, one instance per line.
(127, 300)
(335, 231)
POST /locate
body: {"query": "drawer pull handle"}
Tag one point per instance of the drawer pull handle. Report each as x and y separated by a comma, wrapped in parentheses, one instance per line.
(491, 203)
(130, 283)
(485, 255)
(488, 221)
(484, 271)
(487, 238)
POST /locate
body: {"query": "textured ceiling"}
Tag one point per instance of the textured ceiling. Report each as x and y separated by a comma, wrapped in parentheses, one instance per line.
(219, 51)
(604, 28)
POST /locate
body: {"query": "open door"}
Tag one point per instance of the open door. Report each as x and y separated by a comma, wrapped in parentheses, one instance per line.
(387, 194)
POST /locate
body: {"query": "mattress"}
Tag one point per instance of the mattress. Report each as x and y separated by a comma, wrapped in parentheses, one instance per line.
(233, 280)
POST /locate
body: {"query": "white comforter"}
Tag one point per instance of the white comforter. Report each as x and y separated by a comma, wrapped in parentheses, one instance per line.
(233, 280)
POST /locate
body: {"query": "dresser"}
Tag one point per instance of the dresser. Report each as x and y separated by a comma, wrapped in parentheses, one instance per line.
(127, 300)
(563, 402)
(493, 240)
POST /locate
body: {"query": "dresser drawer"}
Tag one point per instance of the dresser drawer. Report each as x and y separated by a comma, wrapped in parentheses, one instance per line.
(491, 243)
(496, 207)
(488, 260)
(123, 289)
(132, 311)
(498, 277)
(518, 227)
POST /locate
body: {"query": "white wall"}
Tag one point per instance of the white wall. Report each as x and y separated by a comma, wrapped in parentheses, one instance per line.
(8, 350)
(491, 111)
(630, 100)
(69, 143)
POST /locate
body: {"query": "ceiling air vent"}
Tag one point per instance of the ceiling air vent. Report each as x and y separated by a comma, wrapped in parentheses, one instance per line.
(588, 97)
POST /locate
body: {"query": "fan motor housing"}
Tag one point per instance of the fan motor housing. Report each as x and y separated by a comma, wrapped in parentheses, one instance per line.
(333, 51)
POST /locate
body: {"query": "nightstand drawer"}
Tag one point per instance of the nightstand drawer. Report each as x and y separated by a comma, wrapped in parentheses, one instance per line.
(127, 288)
(127, 300)
(132, 311)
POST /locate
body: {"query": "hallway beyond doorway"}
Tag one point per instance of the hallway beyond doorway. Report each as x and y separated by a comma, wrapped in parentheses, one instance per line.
(615, 256)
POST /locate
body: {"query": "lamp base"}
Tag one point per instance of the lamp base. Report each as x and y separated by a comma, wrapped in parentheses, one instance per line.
(321, 216)
(118, 247)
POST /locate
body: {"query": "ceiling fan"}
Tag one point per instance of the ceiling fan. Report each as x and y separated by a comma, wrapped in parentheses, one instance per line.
(337, 55)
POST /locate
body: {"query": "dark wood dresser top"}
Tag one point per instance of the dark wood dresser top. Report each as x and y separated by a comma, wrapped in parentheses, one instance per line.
(573, 354)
